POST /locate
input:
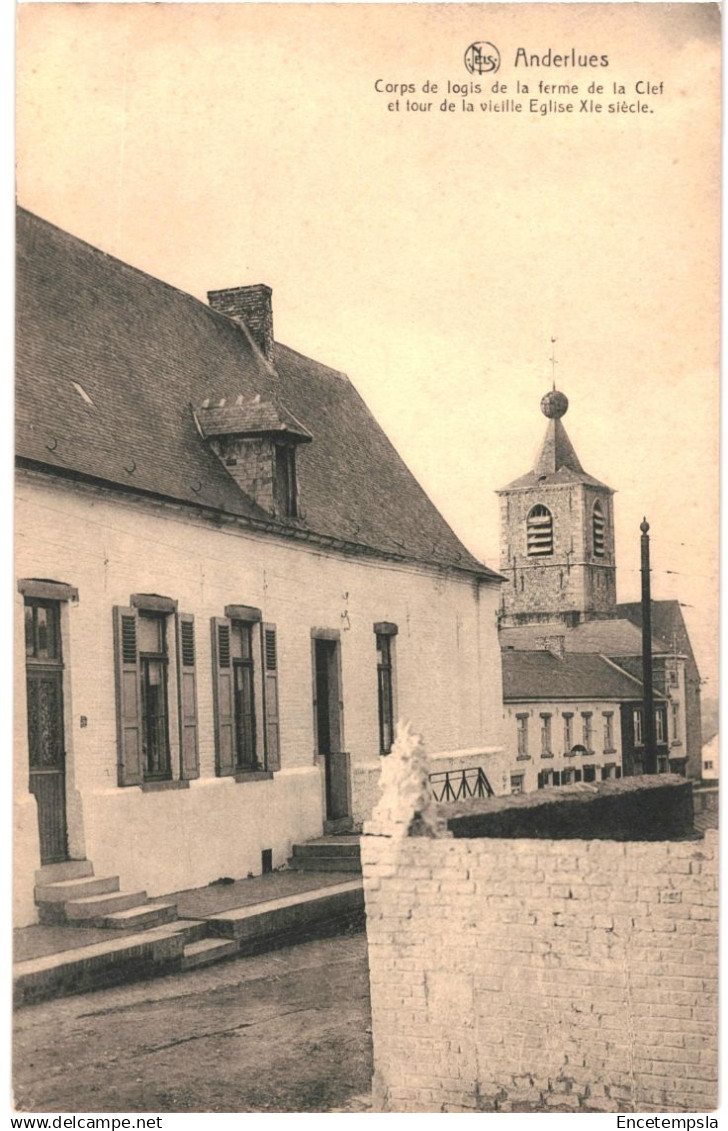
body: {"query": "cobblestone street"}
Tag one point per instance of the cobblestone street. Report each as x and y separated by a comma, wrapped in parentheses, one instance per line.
(283, 1032)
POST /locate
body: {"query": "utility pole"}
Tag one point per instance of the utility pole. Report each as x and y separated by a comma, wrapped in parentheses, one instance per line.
(650, 753)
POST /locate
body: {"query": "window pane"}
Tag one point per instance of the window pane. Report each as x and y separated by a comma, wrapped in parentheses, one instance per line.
(154, 718)
(244, 714)
(29, 641)
(150, 633)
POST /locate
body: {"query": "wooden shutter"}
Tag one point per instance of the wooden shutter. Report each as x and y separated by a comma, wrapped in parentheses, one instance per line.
(128, 704)
(270, 671)
(222, 688)
(187, 694)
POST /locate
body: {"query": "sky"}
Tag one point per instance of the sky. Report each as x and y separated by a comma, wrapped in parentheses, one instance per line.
(430, 255)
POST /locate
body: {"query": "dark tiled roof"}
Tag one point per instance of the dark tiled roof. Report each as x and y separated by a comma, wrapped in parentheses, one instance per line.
(249, 418)
(557, 462)
(668, 625)
(609, 637)
(143, 353)
(542, 675)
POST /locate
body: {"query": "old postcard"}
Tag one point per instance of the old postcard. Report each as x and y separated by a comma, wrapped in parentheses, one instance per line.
(366, 559)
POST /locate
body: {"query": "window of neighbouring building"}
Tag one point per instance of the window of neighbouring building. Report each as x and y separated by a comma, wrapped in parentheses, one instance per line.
(539, 532)
(522, 733)
(154, 647)
(660, 726)
(598, 530)
(586, 729)
(385, 634)
(546, 751)
(708, 765)
(676, 724)
(517, 783)
(590, 773)
(608, 717)
(568, 731)
(637, 724)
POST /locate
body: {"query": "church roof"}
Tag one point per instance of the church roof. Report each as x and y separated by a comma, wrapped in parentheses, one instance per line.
(609, 636)
(557, 461)
(112, 363)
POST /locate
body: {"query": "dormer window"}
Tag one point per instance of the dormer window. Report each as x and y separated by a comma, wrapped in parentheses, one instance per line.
(285, 481)
(598, 530)
(256, 442)
(539, 532)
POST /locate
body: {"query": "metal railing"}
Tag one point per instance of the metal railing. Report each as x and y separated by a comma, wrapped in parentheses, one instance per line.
(456, 785)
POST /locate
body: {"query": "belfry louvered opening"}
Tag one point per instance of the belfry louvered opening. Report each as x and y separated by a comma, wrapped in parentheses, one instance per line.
(539, 532)
(598, 525)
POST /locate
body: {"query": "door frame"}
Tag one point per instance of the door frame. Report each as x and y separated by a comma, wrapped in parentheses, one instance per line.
(66, 595)
(333, 635)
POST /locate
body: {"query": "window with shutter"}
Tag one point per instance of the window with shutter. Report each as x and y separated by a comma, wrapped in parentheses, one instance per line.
(128, 699)
(187, 696)
(222, 687)
(270, 693)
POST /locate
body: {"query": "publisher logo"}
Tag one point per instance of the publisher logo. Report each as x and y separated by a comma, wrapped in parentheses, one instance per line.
(482, 58)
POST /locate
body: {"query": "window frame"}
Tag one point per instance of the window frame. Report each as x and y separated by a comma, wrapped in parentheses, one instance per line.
(522, 735)
(385, 689)
(146, 659)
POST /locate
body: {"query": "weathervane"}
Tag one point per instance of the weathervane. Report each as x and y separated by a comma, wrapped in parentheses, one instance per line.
(554, 363)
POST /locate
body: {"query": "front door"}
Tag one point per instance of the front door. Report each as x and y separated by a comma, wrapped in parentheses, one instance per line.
(44, 676)
(328, 729)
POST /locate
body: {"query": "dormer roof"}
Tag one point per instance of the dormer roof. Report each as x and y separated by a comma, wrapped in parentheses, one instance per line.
(251, 418)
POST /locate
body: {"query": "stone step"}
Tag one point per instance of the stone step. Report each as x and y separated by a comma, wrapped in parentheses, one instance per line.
(148, 954)
(100, 906)
(143, 918)
(61, 891)
(207, 951)
(278, 922)
(67, 870)
(341, 847)
(325, 864)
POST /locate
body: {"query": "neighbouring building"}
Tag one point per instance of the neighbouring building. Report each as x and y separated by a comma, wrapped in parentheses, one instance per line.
(710, 771)
(229, 586)
(572, 717)
(560, 599)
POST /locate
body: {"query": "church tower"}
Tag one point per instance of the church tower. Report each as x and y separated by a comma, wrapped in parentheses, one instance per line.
(557, 535)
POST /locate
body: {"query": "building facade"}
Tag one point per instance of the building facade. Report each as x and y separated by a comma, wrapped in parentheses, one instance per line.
(229, 586)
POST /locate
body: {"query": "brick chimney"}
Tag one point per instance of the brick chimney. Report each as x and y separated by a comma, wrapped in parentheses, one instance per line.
(251, 305)
(556, 645)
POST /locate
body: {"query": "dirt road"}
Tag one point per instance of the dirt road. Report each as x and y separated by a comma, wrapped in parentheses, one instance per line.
(285, 1032)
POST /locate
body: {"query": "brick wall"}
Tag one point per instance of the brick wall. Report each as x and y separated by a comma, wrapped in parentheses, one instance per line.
(542, 976)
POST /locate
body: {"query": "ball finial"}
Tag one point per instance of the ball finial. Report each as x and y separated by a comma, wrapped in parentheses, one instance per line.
(554, 405)
(644, 526)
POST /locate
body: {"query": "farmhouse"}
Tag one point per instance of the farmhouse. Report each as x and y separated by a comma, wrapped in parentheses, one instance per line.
(229, 586)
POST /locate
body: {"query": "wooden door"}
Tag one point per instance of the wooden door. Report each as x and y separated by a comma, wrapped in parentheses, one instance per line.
(47, 756)
(328, 728)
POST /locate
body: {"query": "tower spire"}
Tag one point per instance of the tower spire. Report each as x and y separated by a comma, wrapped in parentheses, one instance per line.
(554, 363)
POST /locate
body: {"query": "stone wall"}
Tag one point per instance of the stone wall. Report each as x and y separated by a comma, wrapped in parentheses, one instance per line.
(513, 975)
